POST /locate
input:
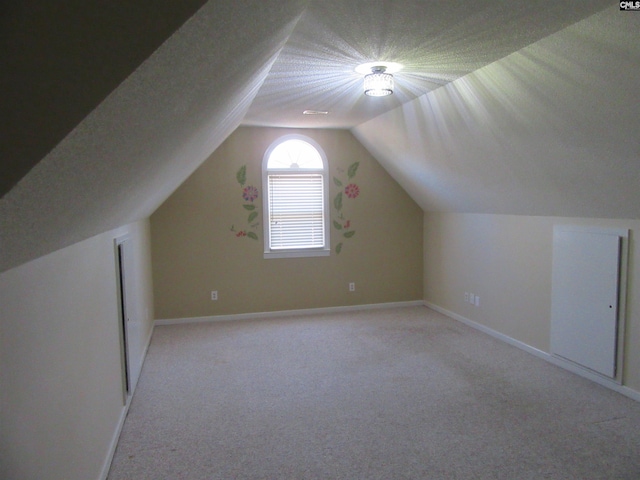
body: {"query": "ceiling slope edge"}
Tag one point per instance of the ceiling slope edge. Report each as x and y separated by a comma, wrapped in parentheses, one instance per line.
(129, 154)
(549, 130)
(59, 61)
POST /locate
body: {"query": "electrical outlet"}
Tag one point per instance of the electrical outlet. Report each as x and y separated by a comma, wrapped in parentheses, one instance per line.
(352, 287)
(466, 297)
(472, 299)
(214, 295)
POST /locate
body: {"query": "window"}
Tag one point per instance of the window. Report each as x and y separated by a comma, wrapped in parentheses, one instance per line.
(294, 177)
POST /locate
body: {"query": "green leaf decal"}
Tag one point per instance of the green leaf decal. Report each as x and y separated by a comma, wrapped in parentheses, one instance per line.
(241, 176)
(252, 235)
(249, 207)
(337, 182)
(349, 234)
(337, 225)
(337, 202)
(353, 169)
(252, 217)
(339, 247)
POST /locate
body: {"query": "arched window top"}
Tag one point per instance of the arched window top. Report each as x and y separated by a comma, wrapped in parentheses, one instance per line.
(294, 152)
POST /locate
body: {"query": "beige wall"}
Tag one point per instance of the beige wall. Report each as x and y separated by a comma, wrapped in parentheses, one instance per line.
(60, 375)
(507, 260)
(195, 251)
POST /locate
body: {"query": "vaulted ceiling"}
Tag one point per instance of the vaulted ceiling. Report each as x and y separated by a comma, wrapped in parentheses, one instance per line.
(435, 41)
(110, 106)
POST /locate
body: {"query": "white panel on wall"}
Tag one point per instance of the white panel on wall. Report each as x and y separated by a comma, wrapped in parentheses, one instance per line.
(586, 296)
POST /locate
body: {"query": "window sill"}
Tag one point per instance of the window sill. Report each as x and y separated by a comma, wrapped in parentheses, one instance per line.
(298, 253)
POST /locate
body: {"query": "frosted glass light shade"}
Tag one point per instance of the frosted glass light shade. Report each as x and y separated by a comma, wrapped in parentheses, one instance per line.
(378, 84)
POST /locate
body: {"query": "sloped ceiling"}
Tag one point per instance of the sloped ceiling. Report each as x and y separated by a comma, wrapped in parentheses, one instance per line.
(132, 151)
(550, 130)
(59, 61)
(257, 62)
(436, 41)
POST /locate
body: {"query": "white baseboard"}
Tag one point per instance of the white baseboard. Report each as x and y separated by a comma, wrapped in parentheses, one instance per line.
(106, 466)
(286, 313)
(560, 362)
(114, 442)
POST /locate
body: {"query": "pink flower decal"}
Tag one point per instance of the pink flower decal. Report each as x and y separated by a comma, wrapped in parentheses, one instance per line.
(347, 224)
(352, 190)
(250, 194)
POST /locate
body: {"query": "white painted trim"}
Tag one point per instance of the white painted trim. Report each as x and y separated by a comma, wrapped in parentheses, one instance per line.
(618, 232)
(633, 394)
(555, 360)
(106, 466)
(287, 313)
(488, 331)
(144, 357)
(300, 253)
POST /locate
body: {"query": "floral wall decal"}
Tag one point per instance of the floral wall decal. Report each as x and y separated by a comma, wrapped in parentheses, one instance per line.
(341, 222)
(351, 190)
(249, 195)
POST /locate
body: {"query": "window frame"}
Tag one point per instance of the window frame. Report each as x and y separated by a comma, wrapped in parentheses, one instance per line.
(324, 172)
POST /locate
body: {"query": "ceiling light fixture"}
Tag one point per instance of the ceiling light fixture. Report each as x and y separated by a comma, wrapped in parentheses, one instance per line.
(378, 83)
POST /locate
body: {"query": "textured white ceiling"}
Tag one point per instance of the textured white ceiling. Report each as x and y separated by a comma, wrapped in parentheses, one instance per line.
(436, 41)
(550, 130)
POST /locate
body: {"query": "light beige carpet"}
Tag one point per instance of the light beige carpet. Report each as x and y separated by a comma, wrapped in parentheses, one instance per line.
(402, 393)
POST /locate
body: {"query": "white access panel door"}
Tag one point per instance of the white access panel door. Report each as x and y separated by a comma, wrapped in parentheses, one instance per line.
(585, 295)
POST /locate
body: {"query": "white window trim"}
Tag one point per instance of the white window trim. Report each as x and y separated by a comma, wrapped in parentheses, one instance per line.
(296, 252)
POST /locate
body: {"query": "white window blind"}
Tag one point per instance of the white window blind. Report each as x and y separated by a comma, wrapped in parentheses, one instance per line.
(296, 213)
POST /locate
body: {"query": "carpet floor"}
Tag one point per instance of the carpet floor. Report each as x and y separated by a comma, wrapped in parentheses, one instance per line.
(398, 393)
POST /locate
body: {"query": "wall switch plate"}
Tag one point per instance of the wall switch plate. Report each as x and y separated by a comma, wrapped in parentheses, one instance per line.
(477, 300)
(214, 295)
(472, 299)
(352, 287)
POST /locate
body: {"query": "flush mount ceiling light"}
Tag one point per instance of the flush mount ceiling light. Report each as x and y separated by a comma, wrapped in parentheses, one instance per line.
(378, 83)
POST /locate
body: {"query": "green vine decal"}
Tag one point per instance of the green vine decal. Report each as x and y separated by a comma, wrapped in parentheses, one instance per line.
(249, 195)
(350, 191)
(241, 176)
